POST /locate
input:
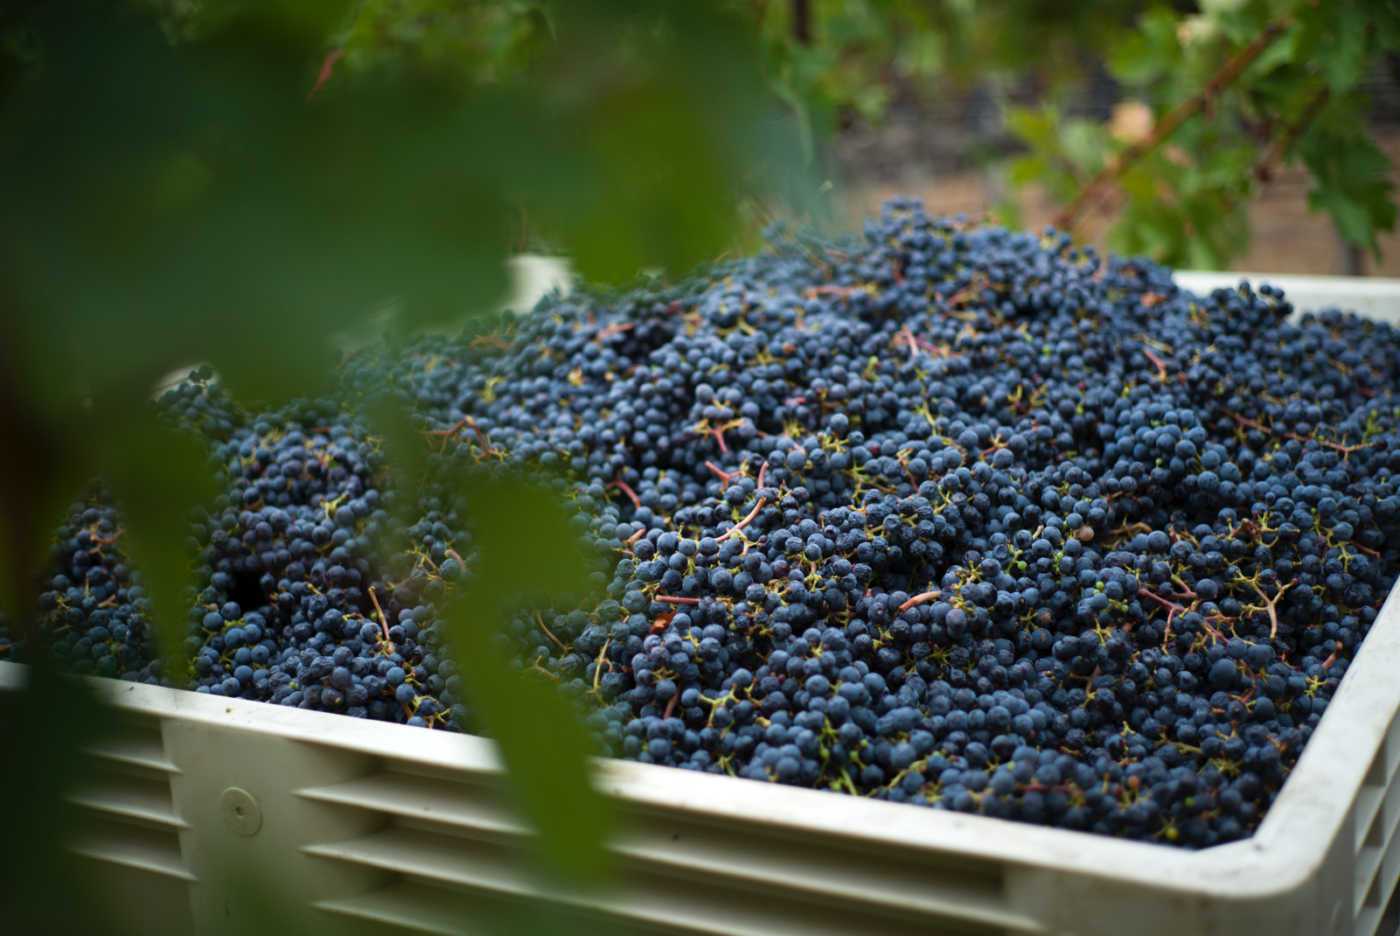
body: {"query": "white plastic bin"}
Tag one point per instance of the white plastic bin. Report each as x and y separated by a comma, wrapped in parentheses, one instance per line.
(391, 829)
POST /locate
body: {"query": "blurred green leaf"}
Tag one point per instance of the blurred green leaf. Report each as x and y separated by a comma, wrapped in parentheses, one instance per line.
(871, 101)
(32, 511)
(531, 555)
(1150, 225)
(407, 454)
(544, 747)
(1141, 182)
(1283, 51)
(646, 150)
(1145, 53)
(1240, 22)
(46, 471)
(478, 42)
(923, 55)
(1340, 48)
(158, 477)
(1385, 19)
(1035, 126)
(1024, 170)
(44, 727)
(307, 22)
(538, 553)
(215, 214)
(1086, 144)
(679, 125)
(1221, 166)
(1352, 177)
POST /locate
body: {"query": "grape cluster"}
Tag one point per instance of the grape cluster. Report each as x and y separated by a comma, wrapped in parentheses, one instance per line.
(945, 515)
(292, 606)
(93, 608)
(296, 609)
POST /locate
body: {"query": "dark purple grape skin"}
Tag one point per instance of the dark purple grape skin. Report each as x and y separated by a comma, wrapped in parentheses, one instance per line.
(944, 515)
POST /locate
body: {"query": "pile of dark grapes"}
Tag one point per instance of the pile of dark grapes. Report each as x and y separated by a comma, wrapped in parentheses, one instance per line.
(948, 515)
(296, 606)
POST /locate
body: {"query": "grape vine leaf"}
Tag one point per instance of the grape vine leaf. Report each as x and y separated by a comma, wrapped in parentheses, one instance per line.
(530, 555)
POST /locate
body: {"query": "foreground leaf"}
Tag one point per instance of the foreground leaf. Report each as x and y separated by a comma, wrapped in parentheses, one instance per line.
(159, 476)
(530, 555)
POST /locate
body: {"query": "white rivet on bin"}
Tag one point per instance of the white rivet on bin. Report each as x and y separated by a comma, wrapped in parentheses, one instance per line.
(241, 813)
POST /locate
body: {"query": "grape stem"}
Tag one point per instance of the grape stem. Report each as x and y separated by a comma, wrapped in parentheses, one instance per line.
(1345, 450)
(101, 540)
(1186, 591)
(719, 472)
(626, 488)
(1173, 609)
(1158, 363)
(919, 599)
(598, 666)
(327, 69)
(539, 619)
(762, 502)
(466, 422)
(844, 292)
(1271, 605)
(659, 625)
(908, 337)
(613, 328)
(677, 599)
(1336, 652)
(383, 621)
